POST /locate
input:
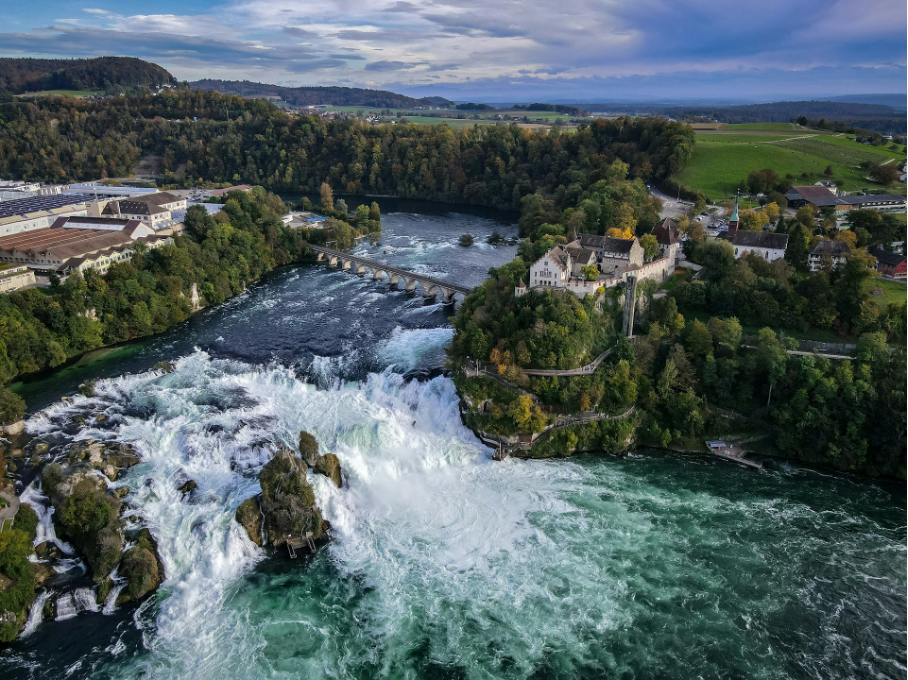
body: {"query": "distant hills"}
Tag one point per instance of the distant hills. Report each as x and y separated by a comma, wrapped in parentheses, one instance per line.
(312, 96)
(897, 101)
(876, 117)
(20, 76)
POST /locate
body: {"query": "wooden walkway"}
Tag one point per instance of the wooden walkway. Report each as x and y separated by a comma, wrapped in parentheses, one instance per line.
(8, 514)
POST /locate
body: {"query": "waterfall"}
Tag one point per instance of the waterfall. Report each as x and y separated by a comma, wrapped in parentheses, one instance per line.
(36, 612)
(79, 600)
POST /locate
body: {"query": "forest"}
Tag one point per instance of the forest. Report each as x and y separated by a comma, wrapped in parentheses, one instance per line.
(210, 137)
(21, 75)
(220, 255)
(313, 96)
(721, 341)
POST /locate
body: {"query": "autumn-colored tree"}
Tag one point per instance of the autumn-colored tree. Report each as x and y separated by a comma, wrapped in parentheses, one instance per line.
(327, 195)
(590, 272)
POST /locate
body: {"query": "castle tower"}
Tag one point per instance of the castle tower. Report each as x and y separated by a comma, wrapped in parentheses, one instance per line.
(733, 220)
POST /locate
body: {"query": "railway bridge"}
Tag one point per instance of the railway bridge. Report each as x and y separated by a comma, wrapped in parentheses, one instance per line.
(431, 287)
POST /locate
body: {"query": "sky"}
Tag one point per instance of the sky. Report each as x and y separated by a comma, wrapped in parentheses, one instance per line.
(503, 50)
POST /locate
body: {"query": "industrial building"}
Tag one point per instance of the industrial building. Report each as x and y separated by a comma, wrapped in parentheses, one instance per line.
(65, 250)
(155, 210)
(38, 212)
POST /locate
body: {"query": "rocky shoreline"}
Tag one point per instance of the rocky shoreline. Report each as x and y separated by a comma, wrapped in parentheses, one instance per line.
(70, 541)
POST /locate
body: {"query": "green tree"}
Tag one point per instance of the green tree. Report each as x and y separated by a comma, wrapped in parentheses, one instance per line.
(699, 340)
(650, 246)
(12, 407)
(590, 272)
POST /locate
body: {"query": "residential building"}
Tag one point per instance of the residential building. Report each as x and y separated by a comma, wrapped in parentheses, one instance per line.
(155, 209)
(63, 250)
(831, 252)
(38, 212)
(668, 235)
(889, 263)
(829, 184)
(770, 247)
(611, 253)
(15, 278)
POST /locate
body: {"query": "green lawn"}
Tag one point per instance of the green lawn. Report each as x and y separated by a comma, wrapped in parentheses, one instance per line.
(719, 163)
(725, 138)
(772, 127)
(893, 293)
(884, 151)
(840, 154)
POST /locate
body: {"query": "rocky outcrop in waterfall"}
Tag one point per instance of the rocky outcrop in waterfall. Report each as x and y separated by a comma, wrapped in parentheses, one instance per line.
(286, 507)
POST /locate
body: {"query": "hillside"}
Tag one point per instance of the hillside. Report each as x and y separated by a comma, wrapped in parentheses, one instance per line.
(310, 96)
(33, 75)
(866, 116)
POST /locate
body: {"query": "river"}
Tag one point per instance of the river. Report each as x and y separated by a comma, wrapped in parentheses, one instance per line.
(444, 563)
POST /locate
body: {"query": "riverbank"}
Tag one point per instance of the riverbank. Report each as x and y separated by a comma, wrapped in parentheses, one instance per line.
(434, 545)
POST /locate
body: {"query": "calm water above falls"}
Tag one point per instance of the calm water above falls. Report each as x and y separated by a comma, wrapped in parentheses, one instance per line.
(446, 564)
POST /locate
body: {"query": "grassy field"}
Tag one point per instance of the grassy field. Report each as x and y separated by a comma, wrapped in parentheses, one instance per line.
(720, 161)
(459, 119)
(765, 127)
(727, 138)
(893, 293)
(67, 93)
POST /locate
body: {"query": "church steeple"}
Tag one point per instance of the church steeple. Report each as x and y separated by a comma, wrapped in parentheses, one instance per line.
(733, 220)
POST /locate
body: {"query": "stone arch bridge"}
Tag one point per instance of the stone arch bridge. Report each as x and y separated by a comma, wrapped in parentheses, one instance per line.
(359, 265)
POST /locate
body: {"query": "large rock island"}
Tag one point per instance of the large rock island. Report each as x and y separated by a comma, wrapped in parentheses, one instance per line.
(285, 511)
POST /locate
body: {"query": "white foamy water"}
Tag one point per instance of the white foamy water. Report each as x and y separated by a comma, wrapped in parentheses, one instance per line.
(424, 499)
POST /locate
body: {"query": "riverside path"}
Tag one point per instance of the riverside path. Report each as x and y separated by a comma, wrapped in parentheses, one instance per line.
(431, 287)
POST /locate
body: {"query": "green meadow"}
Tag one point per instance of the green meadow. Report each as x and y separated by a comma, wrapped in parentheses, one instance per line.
(721, 161)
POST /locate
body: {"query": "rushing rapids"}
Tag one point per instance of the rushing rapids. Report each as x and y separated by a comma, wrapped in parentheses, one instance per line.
(444, 563)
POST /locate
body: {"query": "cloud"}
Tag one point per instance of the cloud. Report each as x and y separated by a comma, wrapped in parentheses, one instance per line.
(391, 66)
(512, 44)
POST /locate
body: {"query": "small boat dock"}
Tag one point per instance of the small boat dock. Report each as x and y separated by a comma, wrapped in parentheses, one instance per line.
(732, 451)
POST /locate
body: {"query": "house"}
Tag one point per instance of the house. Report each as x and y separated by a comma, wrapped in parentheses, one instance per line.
(552, 270)
(15, 278)
(611, 253)
(836, 252)
(829, 184)
(889, 263)
(769, 246)
(155, 209)
(668, 235)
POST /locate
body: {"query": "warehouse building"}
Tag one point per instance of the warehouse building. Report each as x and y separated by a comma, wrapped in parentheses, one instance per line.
(38, 212)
